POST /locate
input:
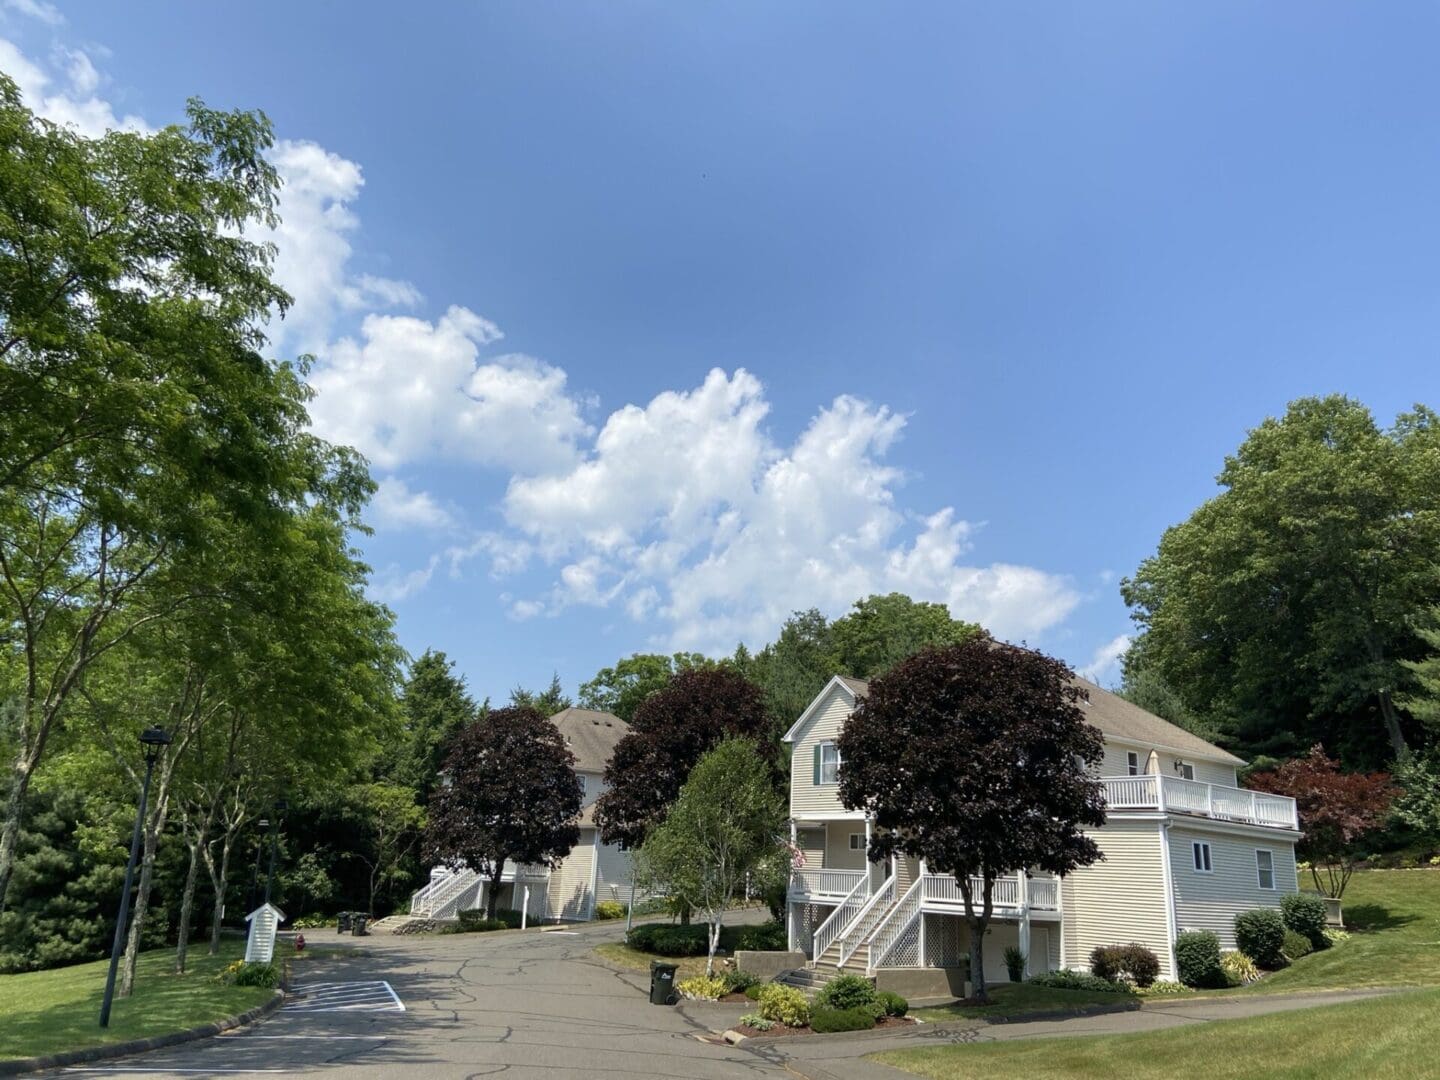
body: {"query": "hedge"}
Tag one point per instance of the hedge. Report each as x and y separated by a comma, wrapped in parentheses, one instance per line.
(1197, 954)
(1260, 935)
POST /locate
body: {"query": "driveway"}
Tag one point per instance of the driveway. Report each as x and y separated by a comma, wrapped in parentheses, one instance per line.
(534, 1004)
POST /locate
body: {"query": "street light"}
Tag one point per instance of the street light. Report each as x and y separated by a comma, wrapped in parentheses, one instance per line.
(262, 824)
(153, 741)
(280, 807)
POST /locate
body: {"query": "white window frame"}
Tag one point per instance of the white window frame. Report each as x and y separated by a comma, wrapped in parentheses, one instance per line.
(1187, 771)
(1200, 865)
(854, 836)
(1260, 871)
(1132, 762)
(829, 770)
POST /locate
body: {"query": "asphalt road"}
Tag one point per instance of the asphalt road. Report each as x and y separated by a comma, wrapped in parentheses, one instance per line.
(530, 1004)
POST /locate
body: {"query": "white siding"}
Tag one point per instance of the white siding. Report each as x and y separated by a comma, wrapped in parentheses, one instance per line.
(569, 893)
(614, 880)
(825, 724)
(1206, 772)
(812, 842)
(1120, 899)
(1211, 901)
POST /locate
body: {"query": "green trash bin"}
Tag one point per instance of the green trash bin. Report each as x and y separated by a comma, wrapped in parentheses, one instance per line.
(342, 923)
(662, 983)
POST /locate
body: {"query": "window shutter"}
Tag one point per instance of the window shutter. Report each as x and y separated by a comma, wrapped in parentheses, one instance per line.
(817, 765)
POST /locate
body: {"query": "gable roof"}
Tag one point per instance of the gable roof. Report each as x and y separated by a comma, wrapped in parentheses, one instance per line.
(1113, 715)
(591, 736)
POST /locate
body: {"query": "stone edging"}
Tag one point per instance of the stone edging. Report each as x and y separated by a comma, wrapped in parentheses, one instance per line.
(17, 1066)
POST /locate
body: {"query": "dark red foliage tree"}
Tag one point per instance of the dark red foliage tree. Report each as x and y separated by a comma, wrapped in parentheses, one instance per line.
(973, 757)
(509, 792)
(672, 729)
(1336, 810)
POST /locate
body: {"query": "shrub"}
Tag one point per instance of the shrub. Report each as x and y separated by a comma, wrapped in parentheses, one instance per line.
(1239, 969)
(1197, 954)
(1297, 945)
(895, 1005)
(738, 982)
(1014, 963)
(1133, 962)
(756, 1021)
(764, 937)
(1304, 913)
(846, 992)
(702, 988)
(1162, 987)
(1334, 937)
(665, 939)
(784, 1005)
(1076, 980)
(313, 922)
(609, 909)
(266, 975)
(1260, 935)
(753, 992)
(830, 1020)
(509, 917)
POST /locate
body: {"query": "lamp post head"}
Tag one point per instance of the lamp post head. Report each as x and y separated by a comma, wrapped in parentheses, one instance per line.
(281, 806)
(154, 739)
(263, 823)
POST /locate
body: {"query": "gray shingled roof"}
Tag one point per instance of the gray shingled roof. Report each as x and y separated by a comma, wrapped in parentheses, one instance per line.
(591, 736)
(1122, 720)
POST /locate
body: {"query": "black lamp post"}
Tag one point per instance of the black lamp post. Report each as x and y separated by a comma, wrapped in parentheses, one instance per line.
(153, 740)
(280, 807)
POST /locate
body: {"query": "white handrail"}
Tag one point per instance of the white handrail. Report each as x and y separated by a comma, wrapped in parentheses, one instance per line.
(1155, 791)
(874, 910)
(809, 882)
(840, 918)
(447, 894)
(889, 930)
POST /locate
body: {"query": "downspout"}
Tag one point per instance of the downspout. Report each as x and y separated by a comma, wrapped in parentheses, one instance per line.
(1169, 879)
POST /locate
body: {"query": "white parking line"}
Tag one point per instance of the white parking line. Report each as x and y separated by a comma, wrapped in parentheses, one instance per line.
(377, 996)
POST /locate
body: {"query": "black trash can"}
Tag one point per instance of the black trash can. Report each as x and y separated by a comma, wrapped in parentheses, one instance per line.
(662, 983)
(358, 926)
(342, 923)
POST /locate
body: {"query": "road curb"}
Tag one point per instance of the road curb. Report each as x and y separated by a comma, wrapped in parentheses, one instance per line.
(17, 1066)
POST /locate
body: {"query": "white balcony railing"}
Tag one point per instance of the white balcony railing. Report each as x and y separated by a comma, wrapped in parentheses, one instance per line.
(1039, 894)
(806, 882)
(1179, 796)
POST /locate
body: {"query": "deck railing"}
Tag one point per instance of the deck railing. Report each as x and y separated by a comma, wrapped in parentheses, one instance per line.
(1154, 791)
(812, 882)
(1039, 894)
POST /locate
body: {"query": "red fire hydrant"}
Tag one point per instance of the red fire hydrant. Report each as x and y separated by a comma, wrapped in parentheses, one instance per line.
(299, 942)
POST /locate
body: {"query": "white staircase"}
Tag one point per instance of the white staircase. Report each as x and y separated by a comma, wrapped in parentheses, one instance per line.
(442, 898)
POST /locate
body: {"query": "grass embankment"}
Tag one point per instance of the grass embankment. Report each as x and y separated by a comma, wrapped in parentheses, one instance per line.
(1391, 1036)
(617, 952)
(45, 1012)
(1018, 999)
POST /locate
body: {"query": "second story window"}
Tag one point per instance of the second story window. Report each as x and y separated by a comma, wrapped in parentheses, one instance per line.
(1132, 762)
(1200, 851)
(1265, 868)
(827, 763)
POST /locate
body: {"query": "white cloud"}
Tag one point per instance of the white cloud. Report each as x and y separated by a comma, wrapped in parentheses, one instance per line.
(395, 504)
(1104, 665)
(68, 99)
(392, 585)
(410, 390)
(688, 512)
(35, 9)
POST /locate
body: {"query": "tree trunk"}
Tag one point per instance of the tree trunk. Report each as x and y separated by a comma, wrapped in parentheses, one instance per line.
(187, 900)
(1391, 717)
(220, 882)
(137, 919)
(714, 944)
(20, 773)
(977, 958)
(492, 901)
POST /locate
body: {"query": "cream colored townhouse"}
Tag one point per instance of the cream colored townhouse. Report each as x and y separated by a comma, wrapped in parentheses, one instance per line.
(591, 872)
(1185, 848)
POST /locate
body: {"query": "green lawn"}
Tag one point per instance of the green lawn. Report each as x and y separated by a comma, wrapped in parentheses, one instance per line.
(1395, 916)
(1391, 1036)
(43, 1012)
(1017, 999)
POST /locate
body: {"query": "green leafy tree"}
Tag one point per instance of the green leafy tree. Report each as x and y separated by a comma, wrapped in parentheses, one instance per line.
(1423, 702)
(391, 826)
(548, 702)
(1287, 602)
(724, 827)
(880, 631)
(620, 689)
(966, 756)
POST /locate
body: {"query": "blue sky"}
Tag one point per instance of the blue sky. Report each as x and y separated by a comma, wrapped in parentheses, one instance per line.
(658, 321)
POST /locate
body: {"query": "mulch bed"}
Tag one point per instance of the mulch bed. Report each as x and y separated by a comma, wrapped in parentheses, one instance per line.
(781, 1029)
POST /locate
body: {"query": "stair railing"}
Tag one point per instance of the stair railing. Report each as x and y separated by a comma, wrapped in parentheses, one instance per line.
(888, 937)
(841, 917)
(874, 910)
